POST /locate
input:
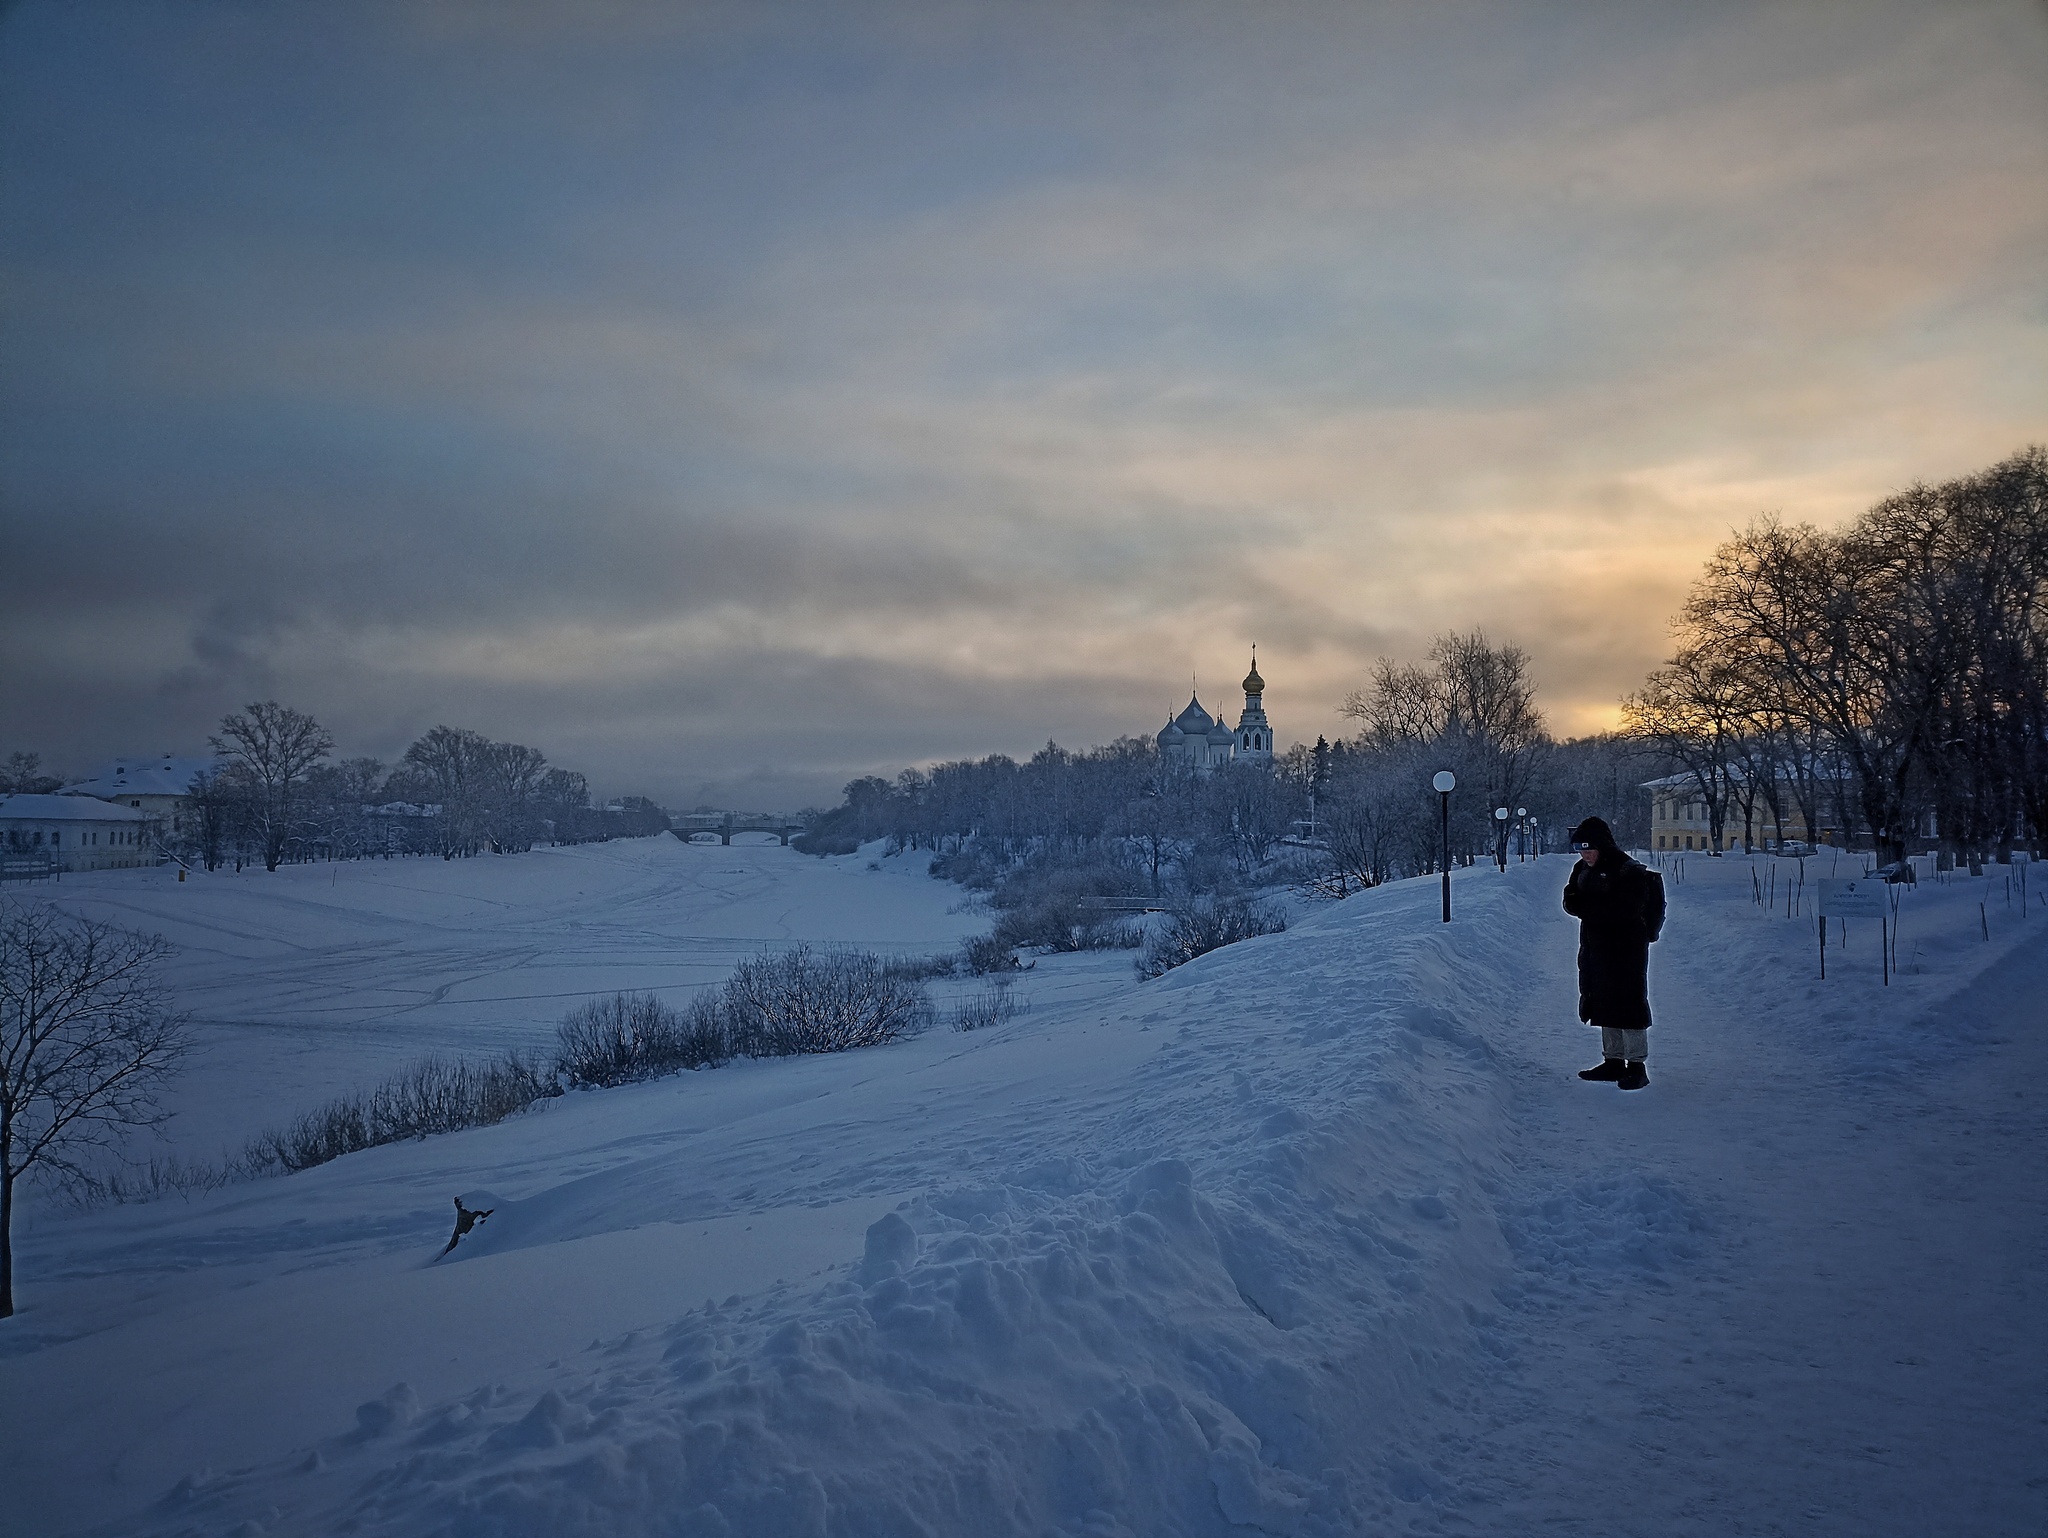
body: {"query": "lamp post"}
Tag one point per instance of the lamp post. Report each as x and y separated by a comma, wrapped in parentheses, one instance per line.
(1446, 782)
(1500, 837)
(1521, 834)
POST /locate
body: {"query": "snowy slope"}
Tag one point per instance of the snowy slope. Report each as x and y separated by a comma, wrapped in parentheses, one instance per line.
(1315, 1235)
(319, 978)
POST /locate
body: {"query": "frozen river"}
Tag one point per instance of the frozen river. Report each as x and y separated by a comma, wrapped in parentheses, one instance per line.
(318, 978)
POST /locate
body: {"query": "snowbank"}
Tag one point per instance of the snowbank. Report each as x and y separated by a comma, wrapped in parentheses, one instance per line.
(1293, 1240)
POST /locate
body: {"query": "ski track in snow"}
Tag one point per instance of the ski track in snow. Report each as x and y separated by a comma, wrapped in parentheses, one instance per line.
(1316, 1235)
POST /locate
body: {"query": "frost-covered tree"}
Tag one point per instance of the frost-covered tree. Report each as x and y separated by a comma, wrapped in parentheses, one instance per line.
(87, 1036)
(270, 748)
(21, 774)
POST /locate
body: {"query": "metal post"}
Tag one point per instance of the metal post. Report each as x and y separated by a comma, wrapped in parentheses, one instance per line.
(1445, 797)
(1446, 782)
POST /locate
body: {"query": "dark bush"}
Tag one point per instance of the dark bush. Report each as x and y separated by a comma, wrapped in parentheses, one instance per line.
(972, 866)
(1063, 922)
(992, 1006)
(821, 843)
(435, 1094)
(634, 1036)
(148, 1181)
(796, 1002)
(1047, 903)
(917, 968)
(986, 953)
(803, 1001)
(1198, 928)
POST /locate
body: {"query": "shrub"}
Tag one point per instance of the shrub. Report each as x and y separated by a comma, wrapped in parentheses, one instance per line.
(634, 1036)
(1061, 922)
(802, 1001)
(435, 1094)
(822, 843)
(918, 968)
(970, 865)
(992, 1006)
(986, 953)
(1046, 903)
(1198, 928)
(151, 1180)
(796, 1002)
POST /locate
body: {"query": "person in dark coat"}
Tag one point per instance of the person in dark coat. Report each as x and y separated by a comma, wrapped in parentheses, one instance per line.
(1619, 904)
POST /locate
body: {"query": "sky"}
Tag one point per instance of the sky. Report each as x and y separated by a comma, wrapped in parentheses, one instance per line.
(732, 400)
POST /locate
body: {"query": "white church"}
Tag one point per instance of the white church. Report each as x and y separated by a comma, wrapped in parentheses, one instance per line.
(1203, 742)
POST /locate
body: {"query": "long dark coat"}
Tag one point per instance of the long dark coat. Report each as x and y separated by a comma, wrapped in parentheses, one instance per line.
(1619, 904)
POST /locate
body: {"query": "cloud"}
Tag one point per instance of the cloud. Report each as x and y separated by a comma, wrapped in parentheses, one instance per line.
(698, 393)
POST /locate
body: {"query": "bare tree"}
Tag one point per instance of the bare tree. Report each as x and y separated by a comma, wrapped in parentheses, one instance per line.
(1474, 707)
(86, 1036)
(1694, 710)
(452, 760)
(22, 774)
(1370, 811)
(1903, 659)
(563, 797)
(512, 777)
(272, 747)
(1249, 812)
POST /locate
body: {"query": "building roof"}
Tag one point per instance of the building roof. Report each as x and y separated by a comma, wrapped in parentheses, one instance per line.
(66, 808)
(160, 776)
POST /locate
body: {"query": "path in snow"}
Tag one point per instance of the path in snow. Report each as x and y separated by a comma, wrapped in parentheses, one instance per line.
(1858, 1346)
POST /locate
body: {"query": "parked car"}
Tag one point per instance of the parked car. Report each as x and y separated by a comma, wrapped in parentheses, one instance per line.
(1792, 848)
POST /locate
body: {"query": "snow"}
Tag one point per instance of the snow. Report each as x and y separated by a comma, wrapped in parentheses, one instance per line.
(1315, 1235)
(315, 979)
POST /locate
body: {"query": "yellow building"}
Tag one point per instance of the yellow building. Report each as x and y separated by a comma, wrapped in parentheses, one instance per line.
(1678, 820)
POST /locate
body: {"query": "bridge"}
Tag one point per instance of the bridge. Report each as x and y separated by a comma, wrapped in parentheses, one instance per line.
(726, 824)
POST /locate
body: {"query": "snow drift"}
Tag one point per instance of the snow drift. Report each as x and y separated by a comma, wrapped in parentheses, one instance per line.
(1295, 1240)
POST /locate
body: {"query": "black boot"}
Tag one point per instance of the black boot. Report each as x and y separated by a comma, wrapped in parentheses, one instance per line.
(1610, 1069)
(1633, 1076)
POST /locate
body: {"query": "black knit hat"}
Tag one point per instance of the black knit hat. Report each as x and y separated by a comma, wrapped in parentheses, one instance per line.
(1595, 833)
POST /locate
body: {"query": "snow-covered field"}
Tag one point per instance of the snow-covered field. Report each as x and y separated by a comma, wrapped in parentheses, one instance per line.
(320, 978)
(1316, 1235)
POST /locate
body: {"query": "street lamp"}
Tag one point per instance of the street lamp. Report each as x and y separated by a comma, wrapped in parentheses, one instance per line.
(1500, 841)
(1446, 782)
(1521, 834)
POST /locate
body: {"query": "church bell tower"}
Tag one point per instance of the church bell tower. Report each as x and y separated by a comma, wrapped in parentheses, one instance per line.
(1254, 741)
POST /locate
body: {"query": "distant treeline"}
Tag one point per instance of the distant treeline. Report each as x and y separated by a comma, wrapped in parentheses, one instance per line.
(1123, 819)
(454, 793)
(275, 796)
(1888, 679)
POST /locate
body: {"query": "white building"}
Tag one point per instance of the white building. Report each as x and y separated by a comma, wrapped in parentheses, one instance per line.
(1203, 742)
(160, 786)
(76, 832)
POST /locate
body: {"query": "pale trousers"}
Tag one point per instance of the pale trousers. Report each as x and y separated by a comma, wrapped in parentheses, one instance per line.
(1629, 1046)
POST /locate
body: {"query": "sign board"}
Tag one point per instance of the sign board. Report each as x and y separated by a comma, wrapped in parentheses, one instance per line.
(1864, 899)
(2021, 856)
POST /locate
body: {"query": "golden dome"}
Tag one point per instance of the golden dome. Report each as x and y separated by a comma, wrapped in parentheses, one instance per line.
(1253, 684)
